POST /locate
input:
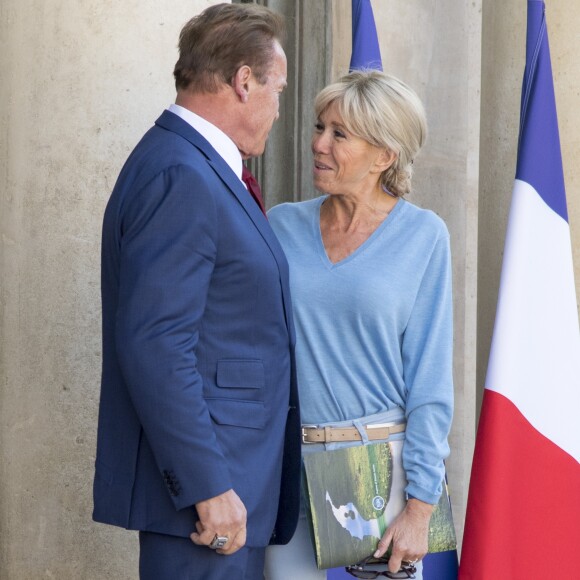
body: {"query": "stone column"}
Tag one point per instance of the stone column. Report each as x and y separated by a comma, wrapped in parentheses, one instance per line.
(284, 169)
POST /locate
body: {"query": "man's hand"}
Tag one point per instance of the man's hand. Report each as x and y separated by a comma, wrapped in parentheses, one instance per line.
(224, 515)
(408, 533)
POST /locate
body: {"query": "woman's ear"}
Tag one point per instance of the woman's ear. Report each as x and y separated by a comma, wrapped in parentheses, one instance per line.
(241, 82)
(385, 159)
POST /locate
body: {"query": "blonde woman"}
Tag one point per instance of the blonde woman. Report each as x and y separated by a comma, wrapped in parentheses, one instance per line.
(371, 286)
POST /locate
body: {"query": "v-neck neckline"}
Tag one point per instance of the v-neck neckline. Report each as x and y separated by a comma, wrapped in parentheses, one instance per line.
(368, 242)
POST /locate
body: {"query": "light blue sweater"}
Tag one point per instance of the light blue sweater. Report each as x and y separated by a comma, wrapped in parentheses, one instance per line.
(374, 331)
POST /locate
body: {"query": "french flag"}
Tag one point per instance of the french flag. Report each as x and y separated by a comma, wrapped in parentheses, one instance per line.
(523, 512)
(366, 54)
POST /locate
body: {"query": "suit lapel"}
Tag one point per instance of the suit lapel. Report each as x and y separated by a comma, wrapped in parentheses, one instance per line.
(174, 123)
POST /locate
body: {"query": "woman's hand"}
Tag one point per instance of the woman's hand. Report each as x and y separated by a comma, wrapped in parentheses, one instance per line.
(408, 533)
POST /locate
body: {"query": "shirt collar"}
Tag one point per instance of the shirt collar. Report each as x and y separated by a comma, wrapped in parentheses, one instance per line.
(223, 145)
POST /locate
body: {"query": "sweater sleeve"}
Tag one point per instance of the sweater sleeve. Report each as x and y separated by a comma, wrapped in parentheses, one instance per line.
(427, 351)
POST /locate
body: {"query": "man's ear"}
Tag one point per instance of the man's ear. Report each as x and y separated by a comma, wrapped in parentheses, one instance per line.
(241, 82)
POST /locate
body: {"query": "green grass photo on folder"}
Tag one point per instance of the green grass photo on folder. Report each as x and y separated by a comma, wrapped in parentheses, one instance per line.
(350, 503)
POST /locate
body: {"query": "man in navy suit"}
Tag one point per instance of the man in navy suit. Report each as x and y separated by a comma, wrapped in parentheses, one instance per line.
(198, 442)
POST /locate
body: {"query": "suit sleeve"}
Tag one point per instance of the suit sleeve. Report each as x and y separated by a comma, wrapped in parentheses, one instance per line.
(168, 249)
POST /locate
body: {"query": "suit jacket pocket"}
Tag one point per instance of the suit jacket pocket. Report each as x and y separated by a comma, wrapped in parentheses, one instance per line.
(251, 414)
(240, 374)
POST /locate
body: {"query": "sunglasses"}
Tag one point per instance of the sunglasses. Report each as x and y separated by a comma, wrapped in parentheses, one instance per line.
(358, 570)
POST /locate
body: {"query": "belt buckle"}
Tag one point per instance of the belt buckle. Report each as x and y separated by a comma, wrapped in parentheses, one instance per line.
(304, 434)
(303, 429)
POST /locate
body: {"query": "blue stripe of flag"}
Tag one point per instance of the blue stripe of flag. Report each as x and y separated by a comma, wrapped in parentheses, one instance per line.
(365, 43)
(440, 566)
(539, 154)
(338, 574)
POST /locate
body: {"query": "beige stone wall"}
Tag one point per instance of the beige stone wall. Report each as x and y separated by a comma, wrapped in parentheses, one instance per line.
(81, 82)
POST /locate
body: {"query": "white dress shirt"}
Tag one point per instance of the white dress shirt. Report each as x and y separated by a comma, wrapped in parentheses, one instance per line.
(224, 146)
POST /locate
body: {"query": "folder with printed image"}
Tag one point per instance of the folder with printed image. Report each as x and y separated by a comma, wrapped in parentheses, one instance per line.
(350, 503)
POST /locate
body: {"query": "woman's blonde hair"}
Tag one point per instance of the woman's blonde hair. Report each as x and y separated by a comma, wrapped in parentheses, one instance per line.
(384, 111)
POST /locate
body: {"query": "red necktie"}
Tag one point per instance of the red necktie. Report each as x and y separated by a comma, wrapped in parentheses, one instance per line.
(253, 187)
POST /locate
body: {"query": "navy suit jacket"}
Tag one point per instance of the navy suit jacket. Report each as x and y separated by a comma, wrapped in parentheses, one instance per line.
(198, 391)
